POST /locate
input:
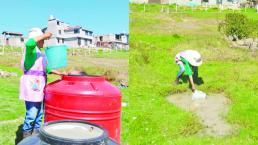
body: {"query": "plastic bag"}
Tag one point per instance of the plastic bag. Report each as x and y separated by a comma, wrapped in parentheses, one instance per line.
(198, 95)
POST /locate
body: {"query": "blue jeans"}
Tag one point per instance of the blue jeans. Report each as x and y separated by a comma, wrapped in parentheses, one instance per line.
(33, 117)
(181, 70)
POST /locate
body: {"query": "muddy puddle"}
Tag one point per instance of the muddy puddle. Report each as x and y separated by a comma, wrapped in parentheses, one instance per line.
(212, 112)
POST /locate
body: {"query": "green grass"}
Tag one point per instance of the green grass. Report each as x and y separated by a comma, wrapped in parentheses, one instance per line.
(11, 108)
(113, 54)
(154, 41)
(79, 51)
(197, 12)
(100, 53)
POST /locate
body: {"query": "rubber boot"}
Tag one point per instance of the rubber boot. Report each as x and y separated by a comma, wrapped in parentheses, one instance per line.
(35, 131)
(26, 134)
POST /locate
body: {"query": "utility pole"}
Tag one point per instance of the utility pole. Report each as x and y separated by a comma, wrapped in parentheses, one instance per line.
(169, 2)
(4, 42)
(144, 7)
(176, 7)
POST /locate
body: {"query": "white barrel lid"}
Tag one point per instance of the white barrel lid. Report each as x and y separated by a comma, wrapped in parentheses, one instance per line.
(73, 130)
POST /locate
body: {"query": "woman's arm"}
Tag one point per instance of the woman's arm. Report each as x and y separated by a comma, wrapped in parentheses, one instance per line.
(192, 82)
(46, 35)
(56, 72)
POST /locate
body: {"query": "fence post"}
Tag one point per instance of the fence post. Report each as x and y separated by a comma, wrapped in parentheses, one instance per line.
(144, 7)
(3, 49)
(176, 8)
(22, 49)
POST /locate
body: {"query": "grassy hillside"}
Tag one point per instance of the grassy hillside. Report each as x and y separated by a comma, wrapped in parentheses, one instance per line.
(155, 38)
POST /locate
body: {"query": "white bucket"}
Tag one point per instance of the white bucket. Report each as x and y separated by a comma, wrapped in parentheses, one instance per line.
(198, 95)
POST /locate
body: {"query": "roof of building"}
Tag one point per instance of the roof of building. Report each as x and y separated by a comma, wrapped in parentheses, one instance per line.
(60, 37)
(71, 28)
(68, 28)
(12, 33)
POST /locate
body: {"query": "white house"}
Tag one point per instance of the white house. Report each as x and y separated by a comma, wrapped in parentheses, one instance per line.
(63, 33)
(11, 39)
(112, 40)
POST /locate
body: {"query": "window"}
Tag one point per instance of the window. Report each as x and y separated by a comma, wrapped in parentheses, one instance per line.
(22, 39)
(219, 1)
(79, 41)
(63, 40)
(59, 31)
(101, 38)
(58, 40)
(58, 23)
(118, 37)
(76, 31)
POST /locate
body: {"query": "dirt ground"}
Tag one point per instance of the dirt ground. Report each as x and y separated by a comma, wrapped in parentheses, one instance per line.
(210, 110)
(116, 68)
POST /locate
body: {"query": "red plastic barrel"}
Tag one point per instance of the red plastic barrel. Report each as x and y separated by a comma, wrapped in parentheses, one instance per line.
(88, 98)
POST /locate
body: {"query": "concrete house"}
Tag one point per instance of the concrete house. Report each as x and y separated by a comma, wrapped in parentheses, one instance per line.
(63, 33)
(11, 39)
(112, 40)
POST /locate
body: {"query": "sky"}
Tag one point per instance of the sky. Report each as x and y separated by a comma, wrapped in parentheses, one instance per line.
(100, 16)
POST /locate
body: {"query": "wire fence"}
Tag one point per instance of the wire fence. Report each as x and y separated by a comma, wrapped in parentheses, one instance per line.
(12, 50)
(173, 8)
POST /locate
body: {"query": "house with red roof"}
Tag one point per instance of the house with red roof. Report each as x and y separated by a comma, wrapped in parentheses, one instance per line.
(65, 34)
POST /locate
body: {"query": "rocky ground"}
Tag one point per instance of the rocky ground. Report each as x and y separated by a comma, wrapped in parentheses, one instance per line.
(7, 74)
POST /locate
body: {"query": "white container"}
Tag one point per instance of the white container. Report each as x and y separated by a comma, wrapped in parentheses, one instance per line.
(198, 95)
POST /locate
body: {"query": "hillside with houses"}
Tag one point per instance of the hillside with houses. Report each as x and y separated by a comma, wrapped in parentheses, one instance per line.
(74, 36)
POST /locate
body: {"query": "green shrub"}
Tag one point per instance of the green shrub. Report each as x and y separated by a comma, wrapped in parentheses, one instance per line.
(236, 24)
(253, 27)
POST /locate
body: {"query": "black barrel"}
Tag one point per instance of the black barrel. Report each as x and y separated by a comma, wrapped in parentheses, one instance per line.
(69, 132)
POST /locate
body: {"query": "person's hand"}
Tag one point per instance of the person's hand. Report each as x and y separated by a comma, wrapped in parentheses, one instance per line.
(63, 73)
(47, 35)
(193, 89)
(58, 72)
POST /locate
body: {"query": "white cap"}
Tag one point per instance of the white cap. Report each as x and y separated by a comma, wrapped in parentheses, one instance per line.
(35, 32)
(194, 57)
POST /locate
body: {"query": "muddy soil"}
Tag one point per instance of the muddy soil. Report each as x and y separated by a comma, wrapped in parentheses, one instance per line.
(212, 112)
